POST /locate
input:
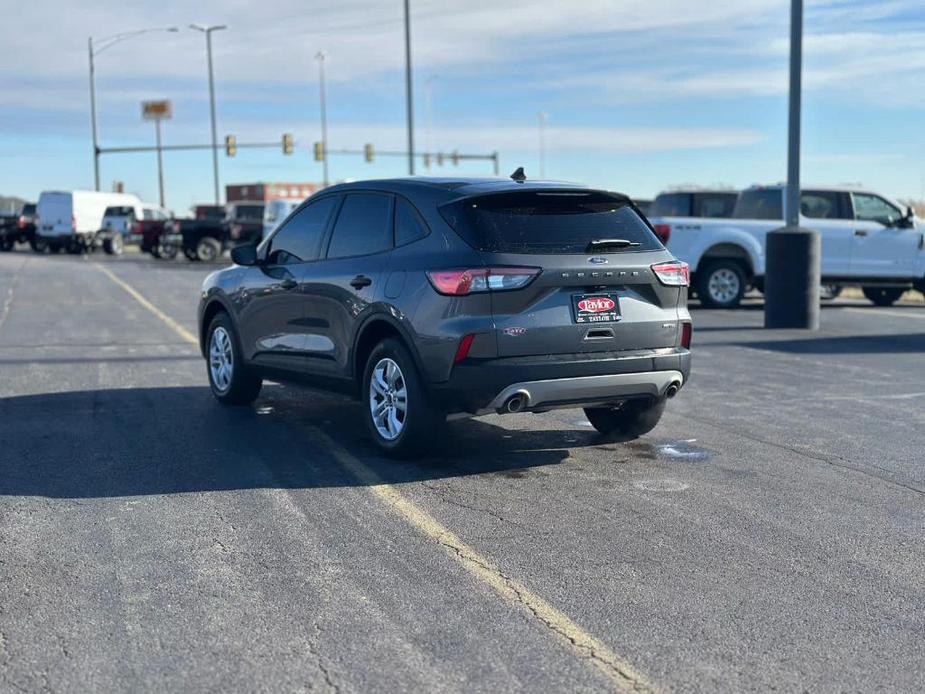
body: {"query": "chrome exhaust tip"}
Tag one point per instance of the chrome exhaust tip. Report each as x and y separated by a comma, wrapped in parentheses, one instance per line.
(515, 403)
(673, 389)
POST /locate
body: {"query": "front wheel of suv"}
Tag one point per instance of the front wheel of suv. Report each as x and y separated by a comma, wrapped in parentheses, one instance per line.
(395, 406)
(230, 380)
(630, 420)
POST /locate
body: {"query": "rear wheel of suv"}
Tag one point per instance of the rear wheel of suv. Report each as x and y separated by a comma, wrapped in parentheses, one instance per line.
(230, 380)
(883, 296)
(720, 284)
(630, 420)
(208, 250)
(395, 407)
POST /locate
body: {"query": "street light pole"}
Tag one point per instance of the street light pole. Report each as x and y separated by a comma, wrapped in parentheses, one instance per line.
(793, 254)
(429, 105)
(96, 147)
(107, 42)
(542, 122)
(160, 161)
(207, 30)
(320, 57)
(410, 104)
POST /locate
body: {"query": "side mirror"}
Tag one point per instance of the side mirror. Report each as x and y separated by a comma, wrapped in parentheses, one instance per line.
(244, 255)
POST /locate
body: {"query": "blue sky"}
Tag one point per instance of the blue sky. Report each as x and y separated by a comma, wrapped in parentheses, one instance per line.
(640, 95)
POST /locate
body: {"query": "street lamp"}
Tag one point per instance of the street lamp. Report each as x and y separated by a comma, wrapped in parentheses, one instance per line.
(94, 49)
(320, 57)
(207, 30)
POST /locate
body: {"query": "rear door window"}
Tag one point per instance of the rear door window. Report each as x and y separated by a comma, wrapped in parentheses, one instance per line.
(299, 239)
(671, 205)
(548, 222)
(759, 204)
(363, 227)
(714, 204)
(819, 204)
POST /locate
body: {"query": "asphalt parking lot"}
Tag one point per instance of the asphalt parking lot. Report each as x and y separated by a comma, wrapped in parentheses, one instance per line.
(769, 534)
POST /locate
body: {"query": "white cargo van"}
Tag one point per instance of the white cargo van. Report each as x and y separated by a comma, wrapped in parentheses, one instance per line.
(71, 219)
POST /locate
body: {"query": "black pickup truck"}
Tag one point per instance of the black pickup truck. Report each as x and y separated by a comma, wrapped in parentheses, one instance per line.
(216, 229)
(18, 228)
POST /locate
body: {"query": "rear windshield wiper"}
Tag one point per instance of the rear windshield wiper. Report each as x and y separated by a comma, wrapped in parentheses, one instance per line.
(611, 243)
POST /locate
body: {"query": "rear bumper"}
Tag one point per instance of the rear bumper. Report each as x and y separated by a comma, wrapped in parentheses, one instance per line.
(570, 380)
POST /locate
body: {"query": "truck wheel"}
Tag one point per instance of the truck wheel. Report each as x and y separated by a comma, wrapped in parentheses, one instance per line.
(396, 410)
(39, 245)
(166, 251)
(190, 254)
(883, 296)
(720, 284)
(114, 245)
(629, 421)
(208, 250)
(232, 383)
(6, 245)
(828, 292)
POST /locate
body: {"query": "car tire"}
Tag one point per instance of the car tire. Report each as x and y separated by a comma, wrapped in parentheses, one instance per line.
(398, 414)
(829, 292)
(114, 245)
(721, 284)
(231, 382)
(39, 245)
(883, 296)
(208, 250)
(6, 245)
(631, 420)
(190, 254)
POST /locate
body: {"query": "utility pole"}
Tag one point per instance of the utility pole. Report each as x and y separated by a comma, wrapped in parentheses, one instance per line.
(793, 253)
(542, 123)
(409, 105)
(207, 30)
(160, 161)
(429, 106)
(320, 57)
(96, 147)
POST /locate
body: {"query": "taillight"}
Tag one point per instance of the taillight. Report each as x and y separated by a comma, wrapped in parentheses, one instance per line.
(687, 331)
(463, 350)
(21, 223)
(673, 273)
(482, 279)
(663, 231)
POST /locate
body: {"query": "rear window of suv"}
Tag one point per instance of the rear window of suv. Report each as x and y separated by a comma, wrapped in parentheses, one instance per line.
(547, 222)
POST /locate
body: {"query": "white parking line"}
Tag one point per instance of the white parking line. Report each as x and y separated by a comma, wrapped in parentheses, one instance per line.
(912, 313)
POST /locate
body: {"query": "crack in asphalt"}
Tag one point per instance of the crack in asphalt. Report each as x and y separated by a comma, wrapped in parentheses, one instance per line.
(832, 459)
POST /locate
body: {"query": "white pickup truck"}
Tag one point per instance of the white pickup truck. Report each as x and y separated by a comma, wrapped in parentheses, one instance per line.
(867, 239)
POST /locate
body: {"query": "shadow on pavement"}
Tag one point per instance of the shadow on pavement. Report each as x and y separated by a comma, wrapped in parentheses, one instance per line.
(849, 344)
(106, 443)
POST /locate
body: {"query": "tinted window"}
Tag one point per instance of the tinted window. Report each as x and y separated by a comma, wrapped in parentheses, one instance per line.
(299, 239)
(408, 225)
(871, 208)
(248, 212)
(759, 204)
(28, 208)
(819, 204)
(714, 204)
(547, 222)
(671, 205)
(363, 226)
(119, 212)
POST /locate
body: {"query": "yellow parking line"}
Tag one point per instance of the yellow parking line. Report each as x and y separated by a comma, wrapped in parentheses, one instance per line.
(623, 676)
(177, 328)
(619, 672)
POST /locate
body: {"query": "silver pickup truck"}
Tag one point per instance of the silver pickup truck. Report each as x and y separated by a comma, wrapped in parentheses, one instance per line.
(868, 241)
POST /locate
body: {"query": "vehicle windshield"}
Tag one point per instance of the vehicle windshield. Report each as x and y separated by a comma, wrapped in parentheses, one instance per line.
(120, 211)
(548, 222)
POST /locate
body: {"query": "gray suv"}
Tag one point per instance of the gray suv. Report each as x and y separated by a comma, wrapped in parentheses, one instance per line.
(425, 297)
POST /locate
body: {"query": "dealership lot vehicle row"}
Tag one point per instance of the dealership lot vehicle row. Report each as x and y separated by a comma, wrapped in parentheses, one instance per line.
(767, 533)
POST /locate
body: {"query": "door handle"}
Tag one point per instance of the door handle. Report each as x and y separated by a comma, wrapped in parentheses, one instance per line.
(860, 232)
(360, 281)
(288, 283)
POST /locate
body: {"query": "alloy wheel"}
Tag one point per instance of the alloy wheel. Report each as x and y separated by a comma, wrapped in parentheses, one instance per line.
(221, 359)
(724, 285)
(388, 399)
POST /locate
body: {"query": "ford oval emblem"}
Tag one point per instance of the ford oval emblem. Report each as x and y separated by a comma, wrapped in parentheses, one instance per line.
(597, 260)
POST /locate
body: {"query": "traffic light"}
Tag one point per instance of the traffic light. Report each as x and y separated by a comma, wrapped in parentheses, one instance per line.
(231, 145)
(455, 158)
(368, 152)
(319, 151)
(287, 143)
